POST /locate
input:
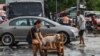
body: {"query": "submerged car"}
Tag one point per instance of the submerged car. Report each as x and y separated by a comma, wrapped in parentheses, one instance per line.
(16, 29)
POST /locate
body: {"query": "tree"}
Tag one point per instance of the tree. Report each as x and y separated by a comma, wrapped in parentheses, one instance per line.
(93, 5)
(50, 5)
(2, 1)
(62, 4)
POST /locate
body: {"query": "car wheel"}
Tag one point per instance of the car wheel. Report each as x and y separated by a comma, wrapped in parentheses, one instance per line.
(66, 36)
(7, 39)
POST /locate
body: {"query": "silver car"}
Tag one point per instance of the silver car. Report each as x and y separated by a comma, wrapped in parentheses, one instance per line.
(16, 29)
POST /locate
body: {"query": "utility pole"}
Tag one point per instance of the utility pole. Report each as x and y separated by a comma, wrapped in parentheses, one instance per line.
(56, 6)
(81, 4)
(78, 4)
(43, 8)
(56, 10)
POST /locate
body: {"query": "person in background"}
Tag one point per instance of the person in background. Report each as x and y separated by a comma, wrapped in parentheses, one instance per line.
(89, 28)
(94, 23)
(64, 20)
(81, 24)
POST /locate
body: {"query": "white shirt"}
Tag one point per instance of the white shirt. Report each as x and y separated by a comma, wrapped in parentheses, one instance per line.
(81, 22)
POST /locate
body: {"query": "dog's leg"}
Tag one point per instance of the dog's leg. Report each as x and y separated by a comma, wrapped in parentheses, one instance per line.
(54, 45)
(51, 45)
(48, 45)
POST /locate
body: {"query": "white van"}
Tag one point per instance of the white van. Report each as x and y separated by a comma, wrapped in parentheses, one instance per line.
(15, 8)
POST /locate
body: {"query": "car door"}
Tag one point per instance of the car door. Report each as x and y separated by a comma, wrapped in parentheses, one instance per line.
(19, 28)
(46, 27)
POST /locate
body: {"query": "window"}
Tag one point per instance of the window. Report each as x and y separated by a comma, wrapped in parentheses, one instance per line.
(43, 23)
(25, 9)
(19, 22)
(32, 21)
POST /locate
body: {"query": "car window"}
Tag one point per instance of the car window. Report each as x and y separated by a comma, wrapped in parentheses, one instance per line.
(43, 23)
(32, 21)
(19, 22)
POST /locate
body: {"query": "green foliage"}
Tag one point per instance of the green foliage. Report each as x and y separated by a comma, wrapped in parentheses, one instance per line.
(2, 1)
(50, 5)
(62, 4)
(93, 4)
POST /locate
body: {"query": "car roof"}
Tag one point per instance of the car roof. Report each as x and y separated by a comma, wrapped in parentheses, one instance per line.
(26, 17)
(6, 22)
(43, 18)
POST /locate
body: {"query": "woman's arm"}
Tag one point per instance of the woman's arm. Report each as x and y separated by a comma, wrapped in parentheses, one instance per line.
(40, 34)
(37, 36)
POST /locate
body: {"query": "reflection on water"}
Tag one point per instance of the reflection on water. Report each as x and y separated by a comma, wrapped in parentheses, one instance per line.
(82, 51)
(8, 51)
(71, 51)
(79, 51)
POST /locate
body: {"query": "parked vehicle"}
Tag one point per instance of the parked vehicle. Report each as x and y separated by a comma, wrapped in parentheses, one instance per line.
(72, 13)
(88, 18)
(16, 29)
(15, 8)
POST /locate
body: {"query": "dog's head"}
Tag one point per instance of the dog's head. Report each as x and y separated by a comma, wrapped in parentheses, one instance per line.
(57, 36)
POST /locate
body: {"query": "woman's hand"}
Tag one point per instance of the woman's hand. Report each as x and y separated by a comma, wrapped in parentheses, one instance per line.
(41, 43)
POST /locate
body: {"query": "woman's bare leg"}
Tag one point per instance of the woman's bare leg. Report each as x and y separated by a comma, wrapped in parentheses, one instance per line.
(40, 49)
(34, 50)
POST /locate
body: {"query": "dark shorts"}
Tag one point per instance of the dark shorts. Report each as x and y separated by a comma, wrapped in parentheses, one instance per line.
(81, 32)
